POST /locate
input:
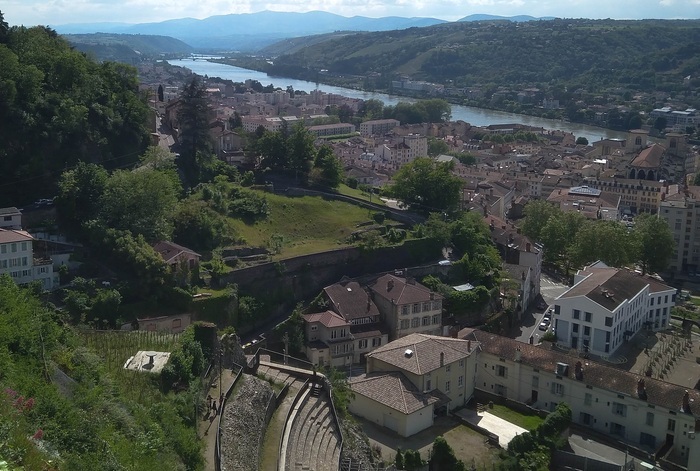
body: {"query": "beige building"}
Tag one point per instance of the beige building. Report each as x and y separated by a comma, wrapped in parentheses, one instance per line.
(655, 416)
(407, 307)
(410, 380)
(17, 260)
(328, 339)
(682, 214)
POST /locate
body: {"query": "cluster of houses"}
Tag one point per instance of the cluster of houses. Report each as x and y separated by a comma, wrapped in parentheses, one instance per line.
(416, 368)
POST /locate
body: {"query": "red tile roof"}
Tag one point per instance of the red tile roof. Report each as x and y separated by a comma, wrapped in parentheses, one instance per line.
(425, 352)
(328, 319)
(351, 301)
(8, 236)
(393, 390)
(400, 291)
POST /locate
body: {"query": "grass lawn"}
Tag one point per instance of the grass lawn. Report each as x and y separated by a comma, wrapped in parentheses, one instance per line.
(528, 422)
(304, 225)
(354, 192)
(695, 300)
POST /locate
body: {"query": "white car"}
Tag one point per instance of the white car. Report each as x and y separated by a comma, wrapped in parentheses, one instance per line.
(544, 325)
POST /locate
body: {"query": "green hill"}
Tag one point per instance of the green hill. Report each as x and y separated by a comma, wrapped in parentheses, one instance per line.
(556, 55)
(126, 47)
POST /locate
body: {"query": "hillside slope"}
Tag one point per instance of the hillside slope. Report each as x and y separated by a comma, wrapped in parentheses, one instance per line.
(125, 47)
(594, 54)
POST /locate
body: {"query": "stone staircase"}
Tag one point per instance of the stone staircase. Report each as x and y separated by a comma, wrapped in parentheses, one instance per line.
(313, 443)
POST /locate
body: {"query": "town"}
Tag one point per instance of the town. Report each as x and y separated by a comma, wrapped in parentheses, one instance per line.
(297, 281)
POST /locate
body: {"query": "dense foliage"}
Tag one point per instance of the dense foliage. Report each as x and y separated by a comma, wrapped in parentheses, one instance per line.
(573, 241)
(61, 408)
(427, 185)
(59, 108)
(578, 62)
(531, 451)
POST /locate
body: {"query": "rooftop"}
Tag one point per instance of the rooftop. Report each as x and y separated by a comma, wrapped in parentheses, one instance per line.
(9, 236)
(402, 290)
(420, 353)
(393, 390)
(351, 300)
(328, 319)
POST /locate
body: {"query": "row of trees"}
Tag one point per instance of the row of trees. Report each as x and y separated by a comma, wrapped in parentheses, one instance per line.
(573, 241)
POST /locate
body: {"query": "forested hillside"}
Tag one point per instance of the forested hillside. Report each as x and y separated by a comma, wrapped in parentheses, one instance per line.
(126, 47)
(57, 107)
(556, 55)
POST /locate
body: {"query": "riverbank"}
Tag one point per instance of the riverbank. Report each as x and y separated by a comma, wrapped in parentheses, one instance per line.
(472, 115)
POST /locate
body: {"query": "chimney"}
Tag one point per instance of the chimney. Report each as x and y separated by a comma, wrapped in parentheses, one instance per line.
(686, 402)
(390, 285)
(641, 390)
(578, 371)
(442, 360)
(527, 247)
(469, 345)
(432, 295)
(518, 354)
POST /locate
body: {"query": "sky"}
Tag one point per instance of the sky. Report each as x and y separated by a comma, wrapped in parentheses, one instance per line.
(58, 12)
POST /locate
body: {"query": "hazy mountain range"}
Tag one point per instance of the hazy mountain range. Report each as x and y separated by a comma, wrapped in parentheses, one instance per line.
(253, 31)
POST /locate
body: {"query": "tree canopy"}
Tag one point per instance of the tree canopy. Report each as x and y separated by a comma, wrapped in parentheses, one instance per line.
(59, 108)
(427, 185)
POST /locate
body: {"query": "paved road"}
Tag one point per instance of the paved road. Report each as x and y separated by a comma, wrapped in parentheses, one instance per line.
(549, 290)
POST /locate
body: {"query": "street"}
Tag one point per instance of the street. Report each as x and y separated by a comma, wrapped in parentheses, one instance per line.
(549, 290)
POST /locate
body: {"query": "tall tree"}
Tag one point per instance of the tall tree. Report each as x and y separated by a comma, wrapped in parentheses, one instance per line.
(141, 202)
(442, 457)
(80, 193)
(327, 169)
(4, 28)
(655, 242)
(427, 184)
(537, 213)
(196, 148)
(160, 93)
(608, 241)
(301, 151)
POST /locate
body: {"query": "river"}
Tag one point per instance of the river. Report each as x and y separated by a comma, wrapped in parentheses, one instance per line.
(469, 114)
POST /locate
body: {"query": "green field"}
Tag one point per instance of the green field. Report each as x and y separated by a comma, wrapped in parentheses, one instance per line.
(357, 193)
(304, 225)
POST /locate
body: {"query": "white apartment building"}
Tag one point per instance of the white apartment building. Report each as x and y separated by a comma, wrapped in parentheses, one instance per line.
(378, 127)
(647, 413)
(607, 306)
(402, 151)
(681, 211)
(17, 260)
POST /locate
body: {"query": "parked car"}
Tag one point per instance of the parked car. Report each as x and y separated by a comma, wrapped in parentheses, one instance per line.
(544, 325)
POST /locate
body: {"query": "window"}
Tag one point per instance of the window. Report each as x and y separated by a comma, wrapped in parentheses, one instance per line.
(557, 309)
(24, 247)
(7, 218)
(416, 308)
(376, 342)
(574, 328)
(671, 426)
(500, 390)
(404, 310)
(461, 363)
(437, 305)
(577, 314)
(586, 330)
(501, 371)
(608, 321)
(535, 382)
(619, 409)
(362, 343)
(415, 322)
(334, 334)
(426, 306)
(13, 248)
(650, 419)
(585, 419)
(3, 248)
(426, 320)
(427, 385)
(558, 389)
(617, 429)
(314, 328)
(589, 317)
(436, 319)
(588, 399)
(404, 324)
(447, 386)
